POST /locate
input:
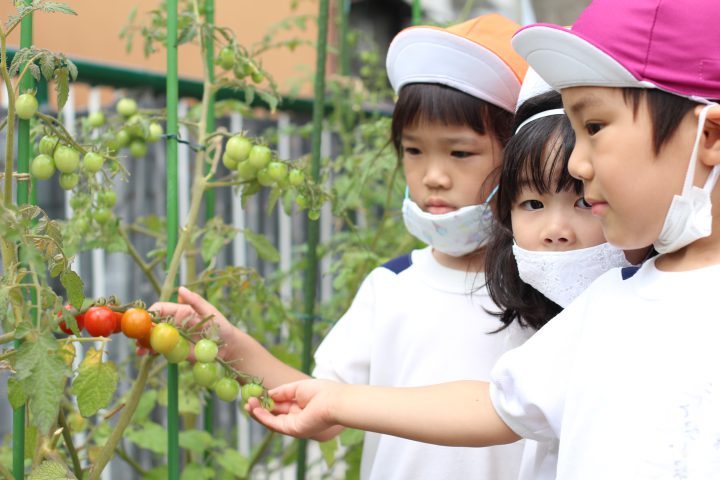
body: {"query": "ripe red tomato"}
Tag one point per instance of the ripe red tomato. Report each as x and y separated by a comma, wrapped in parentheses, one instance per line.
(80, 319)
(136, 323)
(117, 318)
(100, 321)
(144, 342)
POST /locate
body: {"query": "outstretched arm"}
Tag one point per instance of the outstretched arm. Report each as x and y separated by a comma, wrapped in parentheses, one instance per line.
(455, 414)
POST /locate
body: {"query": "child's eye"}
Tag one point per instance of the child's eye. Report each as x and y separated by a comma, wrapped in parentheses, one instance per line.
(581, 203)
(532, 205)
(593, 127)
(461, 154)
(411, 150)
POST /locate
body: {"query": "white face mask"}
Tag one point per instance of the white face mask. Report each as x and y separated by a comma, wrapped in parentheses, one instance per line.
(454, 233)
(562, 276)
(689, 217)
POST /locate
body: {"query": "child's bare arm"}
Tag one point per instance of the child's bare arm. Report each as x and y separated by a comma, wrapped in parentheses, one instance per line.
(456, 414)
(244, 352)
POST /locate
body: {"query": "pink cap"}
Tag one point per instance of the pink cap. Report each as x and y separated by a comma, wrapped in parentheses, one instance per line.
(672, 45)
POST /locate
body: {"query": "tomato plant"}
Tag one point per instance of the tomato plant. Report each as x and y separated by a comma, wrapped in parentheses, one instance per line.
(205, 374)
(206, 350)
(26, 106)
(100, 321)
(227, 389)
(42, 167)
(164, 337)
(67, 159)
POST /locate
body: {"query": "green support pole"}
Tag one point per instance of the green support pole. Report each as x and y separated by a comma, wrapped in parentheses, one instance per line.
(313, 227)
(416, 12)
(22, 196)
(173, 417)
(344, 46)
(208, 412)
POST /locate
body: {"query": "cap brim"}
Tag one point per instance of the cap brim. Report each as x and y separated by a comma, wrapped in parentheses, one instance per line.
(565, 59)
(430, 55)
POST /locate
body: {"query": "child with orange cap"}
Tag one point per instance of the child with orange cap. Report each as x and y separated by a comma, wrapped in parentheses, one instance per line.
(423, 318)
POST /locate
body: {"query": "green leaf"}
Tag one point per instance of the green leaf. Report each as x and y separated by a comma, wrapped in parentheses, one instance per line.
(95, 386)
(262, 245)
(145, 406)
(16, 393)
(47, 65)
(350, 436)
(150, 436)
(74, 287)
(42, 370)
(52, 7)
(62, 79)
(328, 450)
(49, 470)
(269, 98)
(31, 440)
(196, 440)
(212, 243)
(232, 461)
(196, 471)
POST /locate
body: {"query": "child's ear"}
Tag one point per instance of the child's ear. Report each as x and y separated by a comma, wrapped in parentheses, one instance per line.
(710, 147)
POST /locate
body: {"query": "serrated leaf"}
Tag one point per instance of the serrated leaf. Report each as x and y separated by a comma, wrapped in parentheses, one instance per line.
(187, 34)
(233, 461)
(95, 387)
(62, 81)
(269, 98)
(47, 65)
(16, 393)
(196, 440)
(34, 71)
(275, 194)
(262, 246)
(328, 450)
(72, 68)
(249, 94)
(150, 436)
(49, 470)
(350, 436)
(74, 286)
(53, 7)
(42, 370)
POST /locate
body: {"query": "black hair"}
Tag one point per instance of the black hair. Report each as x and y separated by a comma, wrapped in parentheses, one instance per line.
(419, 103)
(666, 111)
(537, 158)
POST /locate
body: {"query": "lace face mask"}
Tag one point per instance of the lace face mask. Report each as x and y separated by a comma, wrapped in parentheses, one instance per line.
(562, 276)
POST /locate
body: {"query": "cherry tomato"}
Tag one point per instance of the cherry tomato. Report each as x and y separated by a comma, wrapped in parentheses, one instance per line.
(227, 389)
(100, 321)
(122, 138)
(145, 341)
(107, 198)
(278, 171)
(238, 147)
(127, 107)
(252, 390)
(47, 144)
(138, 148)
(164, 337)
(259, 156)
(205, 374)
(296, 177)
(264, 178)
(102, 215)
(136, 323)
(68, 181)
(206, 351)
(180, 352)
(92, 162)
(226, 58)
(245, 170)
(67, 159)
(117, 328)
(42, 167)
(26, 106)
(96, 119)
(79, 319)
(155, 132)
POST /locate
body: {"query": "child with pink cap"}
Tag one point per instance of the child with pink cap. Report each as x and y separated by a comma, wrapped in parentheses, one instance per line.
(423, 318)
(626, 378)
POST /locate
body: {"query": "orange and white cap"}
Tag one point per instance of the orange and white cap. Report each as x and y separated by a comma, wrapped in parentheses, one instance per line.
(475, 57)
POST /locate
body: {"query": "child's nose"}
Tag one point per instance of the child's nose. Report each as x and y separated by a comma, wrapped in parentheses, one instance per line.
(558, 235)
(579, 165)
(436, 176)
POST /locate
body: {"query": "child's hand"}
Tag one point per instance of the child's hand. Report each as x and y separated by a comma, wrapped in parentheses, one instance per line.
(191, 310)
(302, 409)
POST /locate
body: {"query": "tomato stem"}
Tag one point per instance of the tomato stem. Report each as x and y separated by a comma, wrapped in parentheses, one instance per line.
(67, 437)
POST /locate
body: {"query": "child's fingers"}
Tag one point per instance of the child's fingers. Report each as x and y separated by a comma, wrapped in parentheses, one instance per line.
(198, 303)
(168, 309)
(284, 393)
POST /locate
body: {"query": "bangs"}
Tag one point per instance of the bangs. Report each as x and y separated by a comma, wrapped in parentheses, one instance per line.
(429, 103)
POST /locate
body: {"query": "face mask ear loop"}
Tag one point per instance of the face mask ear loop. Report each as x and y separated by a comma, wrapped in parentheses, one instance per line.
(407, 192)
(690, 175)
(492, 194)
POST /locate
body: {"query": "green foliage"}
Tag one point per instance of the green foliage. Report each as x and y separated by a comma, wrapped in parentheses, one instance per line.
(95, 386)
(49, 470)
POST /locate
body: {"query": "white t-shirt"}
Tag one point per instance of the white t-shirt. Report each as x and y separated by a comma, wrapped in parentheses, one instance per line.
(627, 378)
(421, 327)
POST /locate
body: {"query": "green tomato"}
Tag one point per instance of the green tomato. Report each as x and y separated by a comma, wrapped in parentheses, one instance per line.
(136, 126)
(26, 106)
(107, 198)
(180, 352)
(81, 224)
(79, 200)
(296, 177)
(302, 201)
(206, 350)
(252, 390)
(48, 144)
(42, 167)
(138, 148)
(122, 138)
(205, 374)
(155, 132)
(229, 162)
(238, 147)
(278, 171)
(259, 156)
(314, 214)
(102, 215)
(268, 404)
(92, 162)
(264, 178)
(226, 58)
(227, 389)
(68, 181)
(96, 119)
(245, 171)
(67, 159)
(127, 107)
(257, 76)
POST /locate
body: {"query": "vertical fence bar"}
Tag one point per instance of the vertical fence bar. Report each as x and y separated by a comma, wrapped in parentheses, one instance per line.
(172, 222)
(313, 227)
(23, 196)
(208, 411)
(416, 12)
